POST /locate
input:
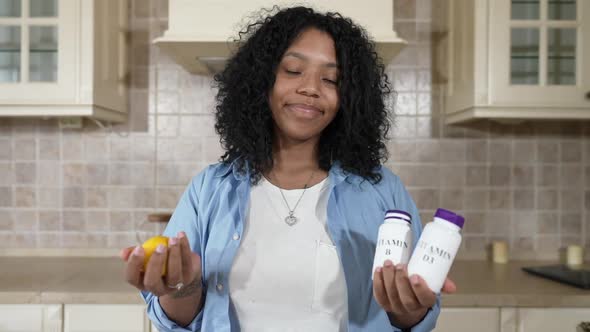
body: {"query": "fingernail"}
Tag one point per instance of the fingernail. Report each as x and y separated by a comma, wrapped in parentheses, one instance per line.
(399, 267)
(378, 269)
(414, 279)
(137, 251)
(388, 263)
(160, 249)
(180, 234)
(173, 241)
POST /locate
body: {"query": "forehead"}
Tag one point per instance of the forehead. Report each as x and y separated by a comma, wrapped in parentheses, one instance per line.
(313, 44)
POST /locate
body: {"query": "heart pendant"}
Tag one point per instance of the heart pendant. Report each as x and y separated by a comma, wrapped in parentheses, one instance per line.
(291, 220)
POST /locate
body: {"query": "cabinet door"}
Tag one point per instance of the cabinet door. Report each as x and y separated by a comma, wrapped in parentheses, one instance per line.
(538, 53)
(38, 51)
(543, 319)
(105, 318)
(468, 320)
(30, 318)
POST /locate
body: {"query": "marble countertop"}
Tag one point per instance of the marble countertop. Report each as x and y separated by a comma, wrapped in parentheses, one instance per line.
(101, 280)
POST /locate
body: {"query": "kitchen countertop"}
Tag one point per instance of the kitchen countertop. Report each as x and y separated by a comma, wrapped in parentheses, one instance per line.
(100, 280)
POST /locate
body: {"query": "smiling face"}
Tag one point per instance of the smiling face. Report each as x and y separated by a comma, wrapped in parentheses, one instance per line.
(304, 99)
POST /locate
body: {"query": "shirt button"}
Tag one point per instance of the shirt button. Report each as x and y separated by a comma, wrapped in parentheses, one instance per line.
(236, 236)
(219, 287)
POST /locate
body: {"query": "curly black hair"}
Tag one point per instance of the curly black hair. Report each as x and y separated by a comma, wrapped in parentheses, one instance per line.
(243, 117)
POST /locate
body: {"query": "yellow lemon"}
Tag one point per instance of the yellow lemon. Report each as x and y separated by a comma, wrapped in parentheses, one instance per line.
(150, 246)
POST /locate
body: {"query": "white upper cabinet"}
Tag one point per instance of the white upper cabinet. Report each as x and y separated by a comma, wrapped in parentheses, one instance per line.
(200, 33)
(63, 58)
(518, 59)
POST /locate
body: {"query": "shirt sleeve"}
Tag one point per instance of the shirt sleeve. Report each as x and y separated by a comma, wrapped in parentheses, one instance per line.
(184, 218)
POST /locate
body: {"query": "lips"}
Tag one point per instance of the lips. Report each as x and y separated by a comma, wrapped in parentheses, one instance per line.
(305, 111)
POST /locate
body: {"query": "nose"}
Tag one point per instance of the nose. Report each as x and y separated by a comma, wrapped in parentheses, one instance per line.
(309, 86)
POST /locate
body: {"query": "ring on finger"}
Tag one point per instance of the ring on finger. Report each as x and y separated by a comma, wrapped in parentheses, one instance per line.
(178, 286)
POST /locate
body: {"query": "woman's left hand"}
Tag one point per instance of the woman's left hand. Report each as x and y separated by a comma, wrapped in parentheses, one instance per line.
(405, 299)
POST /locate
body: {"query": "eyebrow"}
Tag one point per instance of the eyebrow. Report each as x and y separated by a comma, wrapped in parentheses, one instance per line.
(304, 58)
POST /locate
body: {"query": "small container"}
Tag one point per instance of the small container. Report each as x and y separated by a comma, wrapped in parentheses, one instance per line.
(436, 249)
(500, 252)
(394, 241)
(575, 255)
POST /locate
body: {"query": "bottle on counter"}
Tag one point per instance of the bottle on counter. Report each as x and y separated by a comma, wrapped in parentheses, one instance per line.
(436, 249)
(394, 241)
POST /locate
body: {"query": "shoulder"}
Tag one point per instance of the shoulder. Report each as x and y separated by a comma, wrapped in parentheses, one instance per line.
(210, 176)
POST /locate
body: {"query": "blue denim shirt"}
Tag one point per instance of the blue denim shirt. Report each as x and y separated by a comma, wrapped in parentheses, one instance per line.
(212, 210)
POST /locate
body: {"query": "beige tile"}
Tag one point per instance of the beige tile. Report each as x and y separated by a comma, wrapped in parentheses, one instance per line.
(587, 201)
(523, 175)
(25, 149)
(119, 197)
(97, 197)
(74, 240)
(49, 149)
(403, 79)
(25, 173)
(120, 148)
(452, 151)
(401, 150)
(120, 173)
(406, 104)
(168, 102)
(571, 223)
(548, 175)
(6, 239)
(142, 174)
(197, 126)
(188, 150)
(424, 100)
(500, 199)
(499, 175)
(547, 199)
(97, 148)
(474, 223)
(452, 176)
(121, 221)
(498, 223)
(50, 173)
(212, 149)
(180, 174)
(476, 150)
(571, 200)
(476, 199)
(524, 223)
(571, 151)
(144, 198)
(25, 240)
(477, 176)
(97, 221)
(97, 240)
(167, 197)
(97, 174)
(527, 243)
(143, 149)
(50, 240)
(6, 220)
(426, 198)
(49, 197)
(567, 240)
(475, 243)
(404, 127)
(5, 149)
(548, 222)
(6, 196)
(452, 199)
(548, 151)
(49, 220)
(73, 197)
(72, 147)
(570, 176)
(7, 176)
(168, 79)
(74, 174)
(524, 151)
(548, 244)
(500, 151)
(74, 221)
(427, 127)
(168, 126)
(25, 196)
(523, 199)
(121, 240)
(26, 221)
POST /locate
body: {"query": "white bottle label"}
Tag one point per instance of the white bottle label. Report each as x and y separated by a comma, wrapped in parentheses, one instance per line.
(394, 243)
(434, 256)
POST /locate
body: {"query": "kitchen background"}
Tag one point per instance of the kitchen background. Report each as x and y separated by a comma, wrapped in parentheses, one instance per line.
(528, 184)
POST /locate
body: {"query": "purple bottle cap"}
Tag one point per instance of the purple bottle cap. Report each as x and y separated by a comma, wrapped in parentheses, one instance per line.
(450, 216)
(398, 214)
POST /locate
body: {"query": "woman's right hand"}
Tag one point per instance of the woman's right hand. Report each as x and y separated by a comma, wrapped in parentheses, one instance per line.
(183, 268)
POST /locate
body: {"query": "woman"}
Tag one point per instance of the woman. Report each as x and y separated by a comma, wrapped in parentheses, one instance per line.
(281, 234)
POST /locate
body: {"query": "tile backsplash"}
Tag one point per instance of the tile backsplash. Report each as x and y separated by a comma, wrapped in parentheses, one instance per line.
(528, 184)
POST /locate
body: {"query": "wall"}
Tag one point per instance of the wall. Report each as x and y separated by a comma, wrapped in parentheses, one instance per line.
(527, 184)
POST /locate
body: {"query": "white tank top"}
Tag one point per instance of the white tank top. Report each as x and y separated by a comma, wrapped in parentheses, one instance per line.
(288, 278)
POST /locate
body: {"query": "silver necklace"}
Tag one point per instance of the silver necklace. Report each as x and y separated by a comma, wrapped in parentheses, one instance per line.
(291, 219)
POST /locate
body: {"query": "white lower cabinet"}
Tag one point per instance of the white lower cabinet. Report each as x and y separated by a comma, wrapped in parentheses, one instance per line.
(468, 320)
(105, 318)
(31, 317)
(554, 319)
